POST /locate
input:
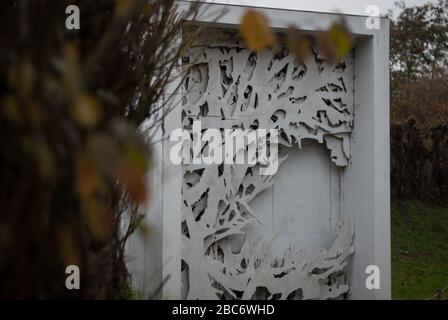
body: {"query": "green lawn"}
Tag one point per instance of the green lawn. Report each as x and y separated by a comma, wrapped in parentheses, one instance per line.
(419, 249)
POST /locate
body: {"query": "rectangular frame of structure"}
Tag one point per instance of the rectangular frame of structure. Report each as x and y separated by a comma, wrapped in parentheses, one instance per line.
(366, 182)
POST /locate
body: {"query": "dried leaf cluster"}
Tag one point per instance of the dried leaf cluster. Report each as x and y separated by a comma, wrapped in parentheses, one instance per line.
(334, 43)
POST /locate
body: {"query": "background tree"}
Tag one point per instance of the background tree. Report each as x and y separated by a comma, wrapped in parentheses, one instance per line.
(419, 59)
(419, 103)
(419, 39)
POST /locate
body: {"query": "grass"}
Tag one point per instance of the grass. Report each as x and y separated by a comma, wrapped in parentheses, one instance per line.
(419, 249)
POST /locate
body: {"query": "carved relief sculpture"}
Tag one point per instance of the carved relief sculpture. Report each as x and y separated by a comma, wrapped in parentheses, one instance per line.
(228, 86)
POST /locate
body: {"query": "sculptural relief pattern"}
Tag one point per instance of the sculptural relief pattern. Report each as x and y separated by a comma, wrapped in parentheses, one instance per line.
(227, 86)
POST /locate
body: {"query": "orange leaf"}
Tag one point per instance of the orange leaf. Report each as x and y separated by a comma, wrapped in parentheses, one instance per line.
(256, 32)
(124, 7)
(298, 43)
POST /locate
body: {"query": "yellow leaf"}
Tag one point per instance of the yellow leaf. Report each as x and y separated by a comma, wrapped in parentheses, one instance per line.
(256, 32)
(138, 158)
(88, 180)
(87, 111)
(340, 40)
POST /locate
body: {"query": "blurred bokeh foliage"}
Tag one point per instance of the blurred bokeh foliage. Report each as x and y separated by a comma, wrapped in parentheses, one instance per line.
(333, 44)
(72, 156)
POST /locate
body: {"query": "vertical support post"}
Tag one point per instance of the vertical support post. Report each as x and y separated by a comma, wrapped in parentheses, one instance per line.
(172, 197)
(367, 181)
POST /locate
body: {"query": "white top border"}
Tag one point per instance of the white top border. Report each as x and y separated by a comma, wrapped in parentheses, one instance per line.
(227, 15)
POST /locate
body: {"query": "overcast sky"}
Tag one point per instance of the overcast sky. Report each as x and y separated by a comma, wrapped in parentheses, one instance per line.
(345, 6)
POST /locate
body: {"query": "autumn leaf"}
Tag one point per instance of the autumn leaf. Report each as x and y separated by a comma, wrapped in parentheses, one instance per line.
(335, 43)
(256, 32)
(138, 158)
(135, 185)
(325, 48)
(133, 174)
(88, 180)
(134, 161)
(87, 110)
(123, 7)
(298, 43)
(340, 40)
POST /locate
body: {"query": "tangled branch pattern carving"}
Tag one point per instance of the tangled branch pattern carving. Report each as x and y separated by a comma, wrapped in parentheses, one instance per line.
(227, 86)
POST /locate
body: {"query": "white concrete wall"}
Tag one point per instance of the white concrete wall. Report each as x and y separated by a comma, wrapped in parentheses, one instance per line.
(363, 191)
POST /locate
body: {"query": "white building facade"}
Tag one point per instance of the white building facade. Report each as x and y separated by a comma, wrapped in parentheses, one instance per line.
(311, 229)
